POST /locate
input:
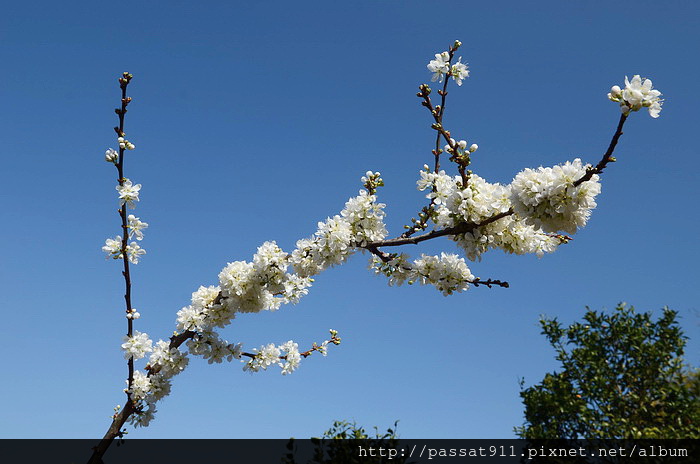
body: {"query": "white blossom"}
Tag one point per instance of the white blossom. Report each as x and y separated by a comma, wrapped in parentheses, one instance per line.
(439, 66)
(134, 252)
(160, 388)
(128, 193)
(329, 246)
(136, 346)
(144, 417)
(323, 348)
(113, 247)
(397, 268)
(440, 184)
(447, 272)
(547, 198)
(293, 358)
(265, 356)
(366, 218)
(213, 348)
(637, 94)
(168, 361)
(459, 71)
(140, 386)
(189, 318)
(135, 227)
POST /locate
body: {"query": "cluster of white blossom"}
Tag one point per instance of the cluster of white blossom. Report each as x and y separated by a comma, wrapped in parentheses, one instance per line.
(147, 388)
(637, 94)
(274, 278)
(448, 272)
(441, 66)
(360, 222)
(136, 346)
(286, 356)
(547, 197)
(475, 204)
(166, 362)
(261, 284)
(210, 346)
(169, 361)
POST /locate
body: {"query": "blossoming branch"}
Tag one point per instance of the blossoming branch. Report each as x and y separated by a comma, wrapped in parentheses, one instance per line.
(535, 213)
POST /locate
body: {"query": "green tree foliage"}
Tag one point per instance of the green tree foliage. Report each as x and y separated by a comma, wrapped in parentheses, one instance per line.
(341, 442)
(622, 376)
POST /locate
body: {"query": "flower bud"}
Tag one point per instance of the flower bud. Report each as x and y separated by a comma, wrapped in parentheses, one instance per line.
(473, 148)
(111, 156)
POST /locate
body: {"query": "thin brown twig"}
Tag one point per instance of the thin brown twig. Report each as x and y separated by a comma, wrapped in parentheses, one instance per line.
(437, 113)
(438, 116)
(608, 156)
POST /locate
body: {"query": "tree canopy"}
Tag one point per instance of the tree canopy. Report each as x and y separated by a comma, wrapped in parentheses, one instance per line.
(622, 376)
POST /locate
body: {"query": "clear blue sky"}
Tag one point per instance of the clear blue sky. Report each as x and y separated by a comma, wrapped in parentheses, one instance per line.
(252, 122)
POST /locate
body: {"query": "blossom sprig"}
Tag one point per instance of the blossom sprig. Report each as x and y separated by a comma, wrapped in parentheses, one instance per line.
(154, 383)
(442, 66)
(459, 152)
(424, 216)
(323, 347)
(371, 181)
(637, 94)
(459, 155)
(166, 361)
(287, 356)
(448, 273)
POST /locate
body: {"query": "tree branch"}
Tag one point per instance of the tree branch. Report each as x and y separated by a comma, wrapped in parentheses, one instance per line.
(607, 157)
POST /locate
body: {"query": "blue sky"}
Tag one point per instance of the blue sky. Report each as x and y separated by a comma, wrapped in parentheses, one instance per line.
(253, 122)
